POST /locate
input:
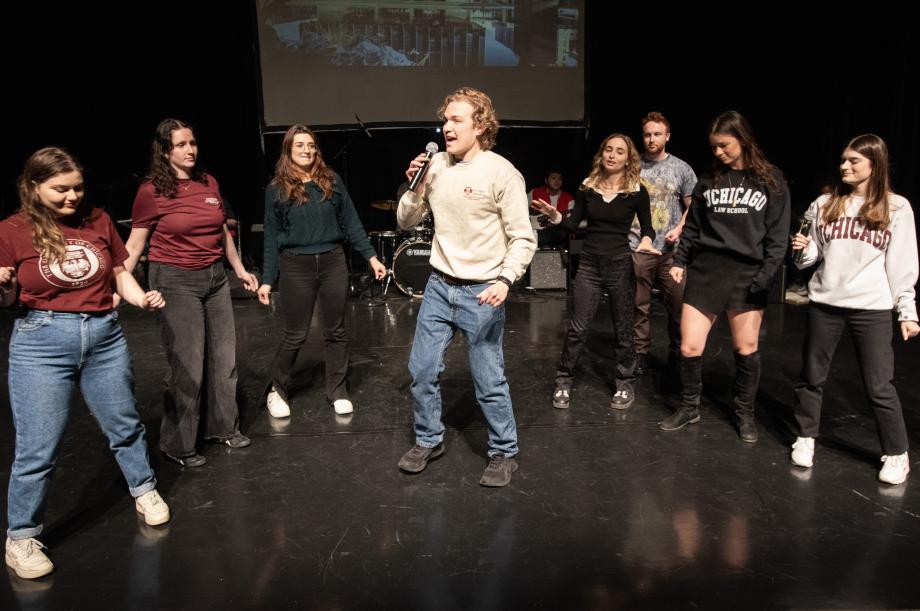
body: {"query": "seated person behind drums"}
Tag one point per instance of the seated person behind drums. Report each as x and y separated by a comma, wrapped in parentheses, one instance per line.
(547, 234)
(308, 216)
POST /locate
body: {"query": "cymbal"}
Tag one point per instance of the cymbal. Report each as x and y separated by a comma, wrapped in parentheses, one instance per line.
(385, 204)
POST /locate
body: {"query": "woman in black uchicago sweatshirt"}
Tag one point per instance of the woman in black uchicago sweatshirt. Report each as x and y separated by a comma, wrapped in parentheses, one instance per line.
(732, 245)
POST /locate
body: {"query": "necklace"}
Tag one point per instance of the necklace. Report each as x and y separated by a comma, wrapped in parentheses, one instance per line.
(606, 187)
(735, 198)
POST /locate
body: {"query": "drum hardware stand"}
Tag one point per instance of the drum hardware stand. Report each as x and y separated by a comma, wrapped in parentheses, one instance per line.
(373, 301)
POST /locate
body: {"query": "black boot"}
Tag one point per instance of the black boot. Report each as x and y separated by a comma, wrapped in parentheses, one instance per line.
(747, 378)
(670, 379)
(691, 381)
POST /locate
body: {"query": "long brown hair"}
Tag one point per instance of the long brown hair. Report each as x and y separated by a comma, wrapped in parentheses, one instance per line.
(43, 165)
(630, 181)
(732, 123)
(874, 213)
(160, 172)
(288, 177)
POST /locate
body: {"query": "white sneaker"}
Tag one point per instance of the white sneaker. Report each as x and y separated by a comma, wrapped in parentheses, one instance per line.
(277, 406)
(152, 506)
(803, 452)
(561, 398)
(895, 469)
(342, 406)
(26, 558)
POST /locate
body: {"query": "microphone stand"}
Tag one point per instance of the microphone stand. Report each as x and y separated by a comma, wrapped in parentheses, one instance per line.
(343, 153)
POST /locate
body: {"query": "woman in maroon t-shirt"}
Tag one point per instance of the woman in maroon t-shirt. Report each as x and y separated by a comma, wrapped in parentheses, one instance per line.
(180, 209)
(61, 261)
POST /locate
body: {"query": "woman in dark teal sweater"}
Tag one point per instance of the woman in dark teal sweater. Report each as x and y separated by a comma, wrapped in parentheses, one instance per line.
(308, 217)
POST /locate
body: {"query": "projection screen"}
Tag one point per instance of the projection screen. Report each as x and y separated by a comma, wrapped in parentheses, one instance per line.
(324, 61)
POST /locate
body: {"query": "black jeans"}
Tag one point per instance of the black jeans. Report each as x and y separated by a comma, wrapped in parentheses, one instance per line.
(871, 334)
(200, 342)
(595, 273)
(304, 280)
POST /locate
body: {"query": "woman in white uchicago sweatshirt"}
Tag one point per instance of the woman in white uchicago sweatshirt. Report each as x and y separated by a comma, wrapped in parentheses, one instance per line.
(864, 238)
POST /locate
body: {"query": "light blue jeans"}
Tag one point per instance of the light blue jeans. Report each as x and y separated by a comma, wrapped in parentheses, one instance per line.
(50, 354)
(445, 310)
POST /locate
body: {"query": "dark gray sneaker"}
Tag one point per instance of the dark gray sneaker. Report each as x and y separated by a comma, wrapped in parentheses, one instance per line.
(499, 471)
(416, 459)
(194, 460)
(236, 440)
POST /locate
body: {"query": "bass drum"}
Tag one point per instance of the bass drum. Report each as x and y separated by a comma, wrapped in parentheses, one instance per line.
(411, 267)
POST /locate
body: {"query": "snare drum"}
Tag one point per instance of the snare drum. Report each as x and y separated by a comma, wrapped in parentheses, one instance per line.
(411, 267)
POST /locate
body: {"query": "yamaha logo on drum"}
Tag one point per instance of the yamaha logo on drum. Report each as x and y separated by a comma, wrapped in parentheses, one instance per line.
(419, 252)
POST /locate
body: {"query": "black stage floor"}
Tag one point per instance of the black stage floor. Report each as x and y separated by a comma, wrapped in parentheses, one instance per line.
(605, 512)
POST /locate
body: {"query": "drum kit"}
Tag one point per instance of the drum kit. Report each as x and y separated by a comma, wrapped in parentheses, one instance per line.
(405, 253)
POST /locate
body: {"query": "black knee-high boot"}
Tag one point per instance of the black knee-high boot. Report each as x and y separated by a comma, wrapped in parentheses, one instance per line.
(670, 379)
(747, 378)
(691, 383)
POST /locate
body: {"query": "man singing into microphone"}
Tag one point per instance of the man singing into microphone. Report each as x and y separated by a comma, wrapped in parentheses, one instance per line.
(482, 244)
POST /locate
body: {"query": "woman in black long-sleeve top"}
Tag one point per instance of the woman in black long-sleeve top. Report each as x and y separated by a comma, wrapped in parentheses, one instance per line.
(308, 217)
(732, 245)
(609, 199)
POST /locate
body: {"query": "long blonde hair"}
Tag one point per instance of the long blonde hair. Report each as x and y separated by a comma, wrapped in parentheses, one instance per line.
(874, 213)
(630, 179)
(43, 165)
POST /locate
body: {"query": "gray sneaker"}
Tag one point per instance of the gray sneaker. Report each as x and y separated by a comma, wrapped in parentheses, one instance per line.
(416, 459)
(499, 471)
(236, 440)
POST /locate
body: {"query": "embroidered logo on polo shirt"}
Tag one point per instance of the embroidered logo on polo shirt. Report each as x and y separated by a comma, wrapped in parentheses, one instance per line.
(83, 264)
(212, 200)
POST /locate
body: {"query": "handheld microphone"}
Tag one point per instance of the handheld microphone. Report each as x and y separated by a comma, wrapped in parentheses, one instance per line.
(807, 220)
(430, 149)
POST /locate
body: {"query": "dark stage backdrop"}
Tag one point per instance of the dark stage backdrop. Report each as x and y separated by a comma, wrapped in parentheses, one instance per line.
(97, 77)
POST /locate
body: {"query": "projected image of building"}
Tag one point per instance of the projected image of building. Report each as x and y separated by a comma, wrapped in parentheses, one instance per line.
(445, 33)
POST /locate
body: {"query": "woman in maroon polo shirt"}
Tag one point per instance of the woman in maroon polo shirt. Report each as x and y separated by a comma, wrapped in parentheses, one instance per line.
(180, 209)
(61, 259)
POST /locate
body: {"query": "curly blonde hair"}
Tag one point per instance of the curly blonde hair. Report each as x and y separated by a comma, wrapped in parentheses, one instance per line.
(483, 113)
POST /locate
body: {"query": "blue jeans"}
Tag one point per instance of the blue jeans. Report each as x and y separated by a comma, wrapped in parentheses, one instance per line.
(445, 310)
(50, 354)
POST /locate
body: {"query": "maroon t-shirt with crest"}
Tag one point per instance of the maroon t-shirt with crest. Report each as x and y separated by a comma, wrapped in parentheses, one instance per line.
(186, 230)
(82, 282)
